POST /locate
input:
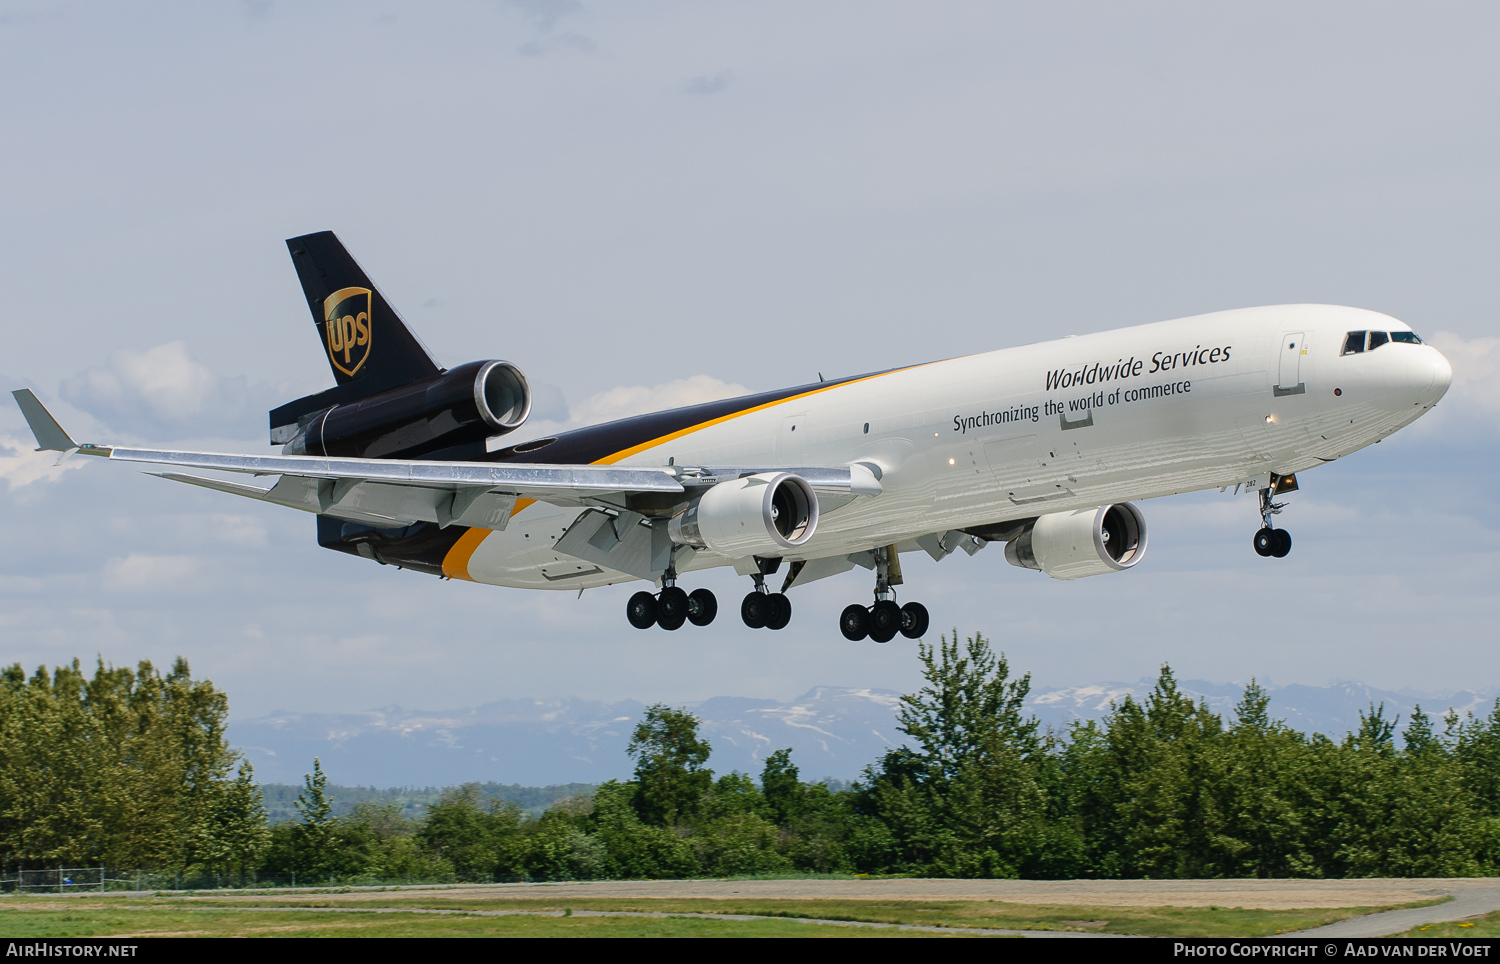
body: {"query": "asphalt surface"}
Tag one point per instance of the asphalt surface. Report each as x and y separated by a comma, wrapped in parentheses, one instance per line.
(1471, 897)
(1256, 894)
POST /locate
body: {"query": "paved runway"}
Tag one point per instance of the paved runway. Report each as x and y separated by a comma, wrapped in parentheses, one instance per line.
(1471, 896)
(1258, 894)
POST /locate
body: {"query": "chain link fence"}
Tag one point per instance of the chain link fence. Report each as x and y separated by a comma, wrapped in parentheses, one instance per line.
(65, 880)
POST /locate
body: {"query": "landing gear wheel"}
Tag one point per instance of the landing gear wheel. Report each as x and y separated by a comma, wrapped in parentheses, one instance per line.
(671, 608)
(854, 622)
(702, 607)
(1265, 542)
(913, 620)
(781, 611)
(641, 610)
(885, 621)
(755, 610)
(1281, 543)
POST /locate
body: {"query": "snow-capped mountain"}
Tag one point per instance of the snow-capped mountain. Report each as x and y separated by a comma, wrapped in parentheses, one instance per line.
(832, 731)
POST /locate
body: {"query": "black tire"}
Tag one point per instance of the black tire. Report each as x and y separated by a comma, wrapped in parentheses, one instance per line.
(854, 622)
(671, 608)
(641, 610)
(755, 610)
(781, 611)
(1265, 539)
(885, 621)
(914, 620)
(703, 606)
(1281, 544)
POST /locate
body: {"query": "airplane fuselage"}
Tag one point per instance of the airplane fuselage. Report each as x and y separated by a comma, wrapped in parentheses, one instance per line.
(1218, 400)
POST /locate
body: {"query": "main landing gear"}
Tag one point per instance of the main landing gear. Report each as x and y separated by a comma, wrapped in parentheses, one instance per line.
(883, 620)
(671, 607)
(1269, 540)
(761, 608)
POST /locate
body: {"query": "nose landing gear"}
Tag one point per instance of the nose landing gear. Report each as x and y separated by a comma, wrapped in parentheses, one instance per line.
(883, 620)
(671, 607)
(1269, 540)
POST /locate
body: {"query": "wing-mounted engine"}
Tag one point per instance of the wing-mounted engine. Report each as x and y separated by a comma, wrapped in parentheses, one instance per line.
(758, 515)
(1086, 542)
(460, 407)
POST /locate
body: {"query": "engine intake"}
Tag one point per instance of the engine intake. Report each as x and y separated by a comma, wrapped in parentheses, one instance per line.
(1086, 542)
(759, 515)
(463, 406)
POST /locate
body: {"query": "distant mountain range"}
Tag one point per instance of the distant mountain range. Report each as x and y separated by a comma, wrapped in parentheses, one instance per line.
(834, 732)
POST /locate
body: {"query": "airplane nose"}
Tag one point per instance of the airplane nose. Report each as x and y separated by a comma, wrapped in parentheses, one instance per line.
(1441, 373)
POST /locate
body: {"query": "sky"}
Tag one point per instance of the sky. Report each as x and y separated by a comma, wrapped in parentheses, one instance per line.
(650, 204)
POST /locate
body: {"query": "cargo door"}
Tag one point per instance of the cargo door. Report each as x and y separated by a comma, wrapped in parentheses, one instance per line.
(790, 443)
(1025, 469)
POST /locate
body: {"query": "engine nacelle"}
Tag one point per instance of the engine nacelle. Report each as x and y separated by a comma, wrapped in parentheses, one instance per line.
(1087, 542)
(759, 515)
(466, 405)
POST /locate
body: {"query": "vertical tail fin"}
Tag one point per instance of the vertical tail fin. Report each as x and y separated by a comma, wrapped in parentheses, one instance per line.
(363, 337)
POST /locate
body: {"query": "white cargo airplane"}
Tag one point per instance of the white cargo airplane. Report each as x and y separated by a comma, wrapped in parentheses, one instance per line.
(1044, 448)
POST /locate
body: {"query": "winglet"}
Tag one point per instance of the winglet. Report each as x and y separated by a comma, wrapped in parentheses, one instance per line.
(50, 436)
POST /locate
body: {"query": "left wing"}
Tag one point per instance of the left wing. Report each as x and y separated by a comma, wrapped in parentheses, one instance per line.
(393, 492)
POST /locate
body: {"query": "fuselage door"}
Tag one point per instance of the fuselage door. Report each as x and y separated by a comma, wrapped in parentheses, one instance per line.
(791, 441)
(1025, 469)
(1289, 368)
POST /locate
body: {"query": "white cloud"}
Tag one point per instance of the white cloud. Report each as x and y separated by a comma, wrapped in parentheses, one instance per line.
(1476, 370)
(21, 465)
(137, 573)
(162, 381)
(164, 389)
(630, 400)
(239, 530)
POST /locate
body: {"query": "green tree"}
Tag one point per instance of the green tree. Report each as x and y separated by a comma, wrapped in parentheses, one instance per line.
(239, 837)
(126, 767)
(671, 775)
(965, 799)
(482, 841)
(637, 849)
(1264, 796)
(780, 782)
(311, 835)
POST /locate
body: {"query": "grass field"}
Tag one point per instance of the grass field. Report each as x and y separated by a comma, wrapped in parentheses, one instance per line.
(1486, 926)
(179, 921)
(419, 913)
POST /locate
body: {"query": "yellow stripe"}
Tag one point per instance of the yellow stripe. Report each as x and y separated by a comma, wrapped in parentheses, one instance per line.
(456, 562)
(637, 449)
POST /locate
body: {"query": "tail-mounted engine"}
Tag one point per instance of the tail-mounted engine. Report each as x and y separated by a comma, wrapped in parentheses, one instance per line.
(463, 406)
(759, 515)
(1087, 542)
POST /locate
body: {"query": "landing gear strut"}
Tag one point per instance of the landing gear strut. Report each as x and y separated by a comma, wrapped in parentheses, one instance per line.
(761, 608)
(671, 607)
(1269, 540)
(883, 620)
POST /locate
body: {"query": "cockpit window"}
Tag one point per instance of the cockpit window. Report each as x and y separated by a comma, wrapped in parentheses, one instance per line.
(1358, 341)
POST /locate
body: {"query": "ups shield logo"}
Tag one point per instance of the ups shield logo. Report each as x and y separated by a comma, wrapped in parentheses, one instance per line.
(347, 328)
